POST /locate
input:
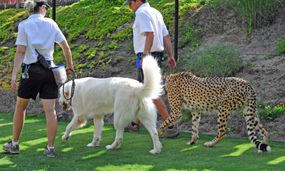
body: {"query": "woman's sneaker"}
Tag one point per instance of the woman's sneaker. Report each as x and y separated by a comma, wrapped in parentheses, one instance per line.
(10, 148)
(49, 152)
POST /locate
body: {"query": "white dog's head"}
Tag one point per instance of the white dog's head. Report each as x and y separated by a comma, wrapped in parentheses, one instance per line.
(64, 96)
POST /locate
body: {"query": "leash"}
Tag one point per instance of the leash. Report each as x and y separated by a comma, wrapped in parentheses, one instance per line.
(72, 89)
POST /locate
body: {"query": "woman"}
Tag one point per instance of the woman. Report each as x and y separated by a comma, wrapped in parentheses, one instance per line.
(37, 35)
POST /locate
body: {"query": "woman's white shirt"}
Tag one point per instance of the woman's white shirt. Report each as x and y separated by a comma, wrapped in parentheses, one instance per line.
(38, 32)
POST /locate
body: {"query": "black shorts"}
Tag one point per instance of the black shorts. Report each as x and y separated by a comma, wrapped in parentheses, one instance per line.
(39, 81)
(158, 56)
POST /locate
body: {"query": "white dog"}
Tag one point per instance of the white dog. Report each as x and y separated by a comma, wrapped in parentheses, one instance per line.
(126, 98)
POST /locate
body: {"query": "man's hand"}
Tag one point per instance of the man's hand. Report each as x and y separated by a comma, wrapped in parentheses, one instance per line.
(171, 62)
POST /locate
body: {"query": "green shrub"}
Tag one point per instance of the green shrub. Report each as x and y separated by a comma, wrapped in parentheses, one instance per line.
(190, 34)
(8, 19)
(271, 112)
(281, 46)
(216, 60)
(214, 3)
(255, 12)
(186, 115)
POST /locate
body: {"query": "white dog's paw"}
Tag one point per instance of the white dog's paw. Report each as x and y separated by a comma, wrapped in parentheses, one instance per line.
(116, 145)
(65, 137)
(93, 144)
(109, 147)
(112, 147)
(153, 151)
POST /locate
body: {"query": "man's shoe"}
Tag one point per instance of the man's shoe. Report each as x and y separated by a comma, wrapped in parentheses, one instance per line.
(171, 132)
(10, 148)
(133, 127)
(49, 152)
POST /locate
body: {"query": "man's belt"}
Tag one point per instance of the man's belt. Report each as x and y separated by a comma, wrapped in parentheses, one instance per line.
(154, 54)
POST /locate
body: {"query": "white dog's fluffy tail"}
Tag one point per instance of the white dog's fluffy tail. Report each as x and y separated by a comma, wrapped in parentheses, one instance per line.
(152, 78)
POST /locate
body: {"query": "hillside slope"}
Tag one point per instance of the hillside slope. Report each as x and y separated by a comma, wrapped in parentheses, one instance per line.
(264, 71)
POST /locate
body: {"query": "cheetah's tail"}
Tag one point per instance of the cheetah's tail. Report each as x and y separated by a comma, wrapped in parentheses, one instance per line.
(253, 122)
(263, 147)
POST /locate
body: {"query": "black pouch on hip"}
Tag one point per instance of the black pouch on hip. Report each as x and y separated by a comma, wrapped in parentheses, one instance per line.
(42, 61)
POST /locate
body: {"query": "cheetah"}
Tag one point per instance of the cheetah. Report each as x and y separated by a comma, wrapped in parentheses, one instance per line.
(208, 94)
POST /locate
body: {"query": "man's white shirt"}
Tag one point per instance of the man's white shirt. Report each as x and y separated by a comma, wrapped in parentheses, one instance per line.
(148, 19)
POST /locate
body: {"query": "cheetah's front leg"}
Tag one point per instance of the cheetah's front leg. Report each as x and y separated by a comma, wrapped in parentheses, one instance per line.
(175, 114)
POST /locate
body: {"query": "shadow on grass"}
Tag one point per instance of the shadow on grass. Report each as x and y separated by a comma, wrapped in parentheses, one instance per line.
(230, 154)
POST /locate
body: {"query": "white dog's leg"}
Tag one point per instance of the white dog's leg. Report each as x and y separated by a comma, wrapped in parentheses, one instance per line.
(120, 122)
(118, 140)
(148, 119)
(98, 126)
(70, 127)
(154, 136)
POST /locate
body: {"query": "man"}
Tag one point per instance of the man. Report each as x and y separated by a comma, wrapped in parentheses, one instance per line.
(150, 35)
(37, 34)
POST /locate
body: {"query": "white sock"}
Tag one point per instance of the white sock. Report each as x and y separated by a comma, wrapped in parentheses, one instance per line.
(50, 148)
(14, 143)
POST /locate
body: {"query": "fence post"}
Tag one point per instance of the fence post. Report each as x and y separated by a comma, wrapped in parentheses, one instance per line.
(54, 10)
(176, 30)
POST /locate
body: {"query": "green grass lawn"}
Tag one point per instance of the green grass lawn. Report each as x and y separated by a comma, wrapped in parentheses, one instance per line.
(229, 155)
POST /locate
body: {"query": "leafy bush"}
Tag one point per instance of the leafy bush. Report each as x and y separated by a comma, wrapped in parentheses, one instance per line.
(8, 19)
(281, 46)
(271, 112)
(190, 34)
(186, 115)
(216, 60)
(255, 12)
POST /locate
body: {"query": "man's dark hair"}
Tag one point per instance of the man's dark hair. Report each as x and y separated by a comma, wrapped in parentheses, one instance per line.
(37, 7)
(144, 1)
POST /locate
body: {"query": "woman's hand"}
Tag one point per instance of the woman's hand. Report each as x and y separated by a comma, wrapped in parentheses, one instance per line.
(14, 83)
(70, 70)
